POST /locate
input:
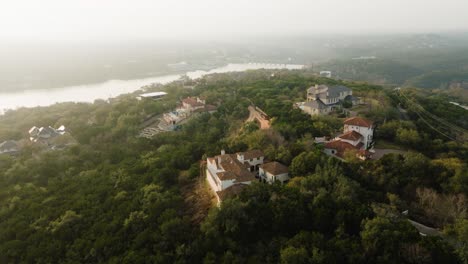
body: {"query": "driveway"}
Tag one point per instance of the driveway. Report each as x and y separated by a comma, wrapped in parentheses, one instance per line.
(379, 153)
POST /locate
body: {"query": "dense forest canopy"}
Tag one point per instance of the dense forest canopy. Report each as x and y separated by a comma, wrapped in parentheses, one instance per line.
(114, 197)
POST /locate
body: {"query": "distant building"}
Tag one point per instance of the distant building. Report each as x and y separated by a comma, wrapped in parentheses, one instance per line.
(316, 107)
(329, 95)
(154, 95)
(196, 105)
(45, 134)
(193, 103)
(174, 117)
(9, 147)
(327, 74)
(323, 99)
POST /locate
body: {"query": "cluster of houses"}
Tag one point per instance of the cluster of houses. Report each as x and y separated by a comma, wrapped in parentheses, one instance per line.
(51, 137)
(324, 99)
(188, 107)
(228, 174)
(170, 121)
(44, 134)
(357, 137)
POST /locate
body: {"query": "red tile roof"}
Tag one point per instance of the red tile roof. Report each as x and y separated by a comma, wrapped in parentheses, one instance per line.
(192, 101)
(351, 135)
(233, 169)
(231, 191)
(251, 154)
(358, 121)
(339, 146)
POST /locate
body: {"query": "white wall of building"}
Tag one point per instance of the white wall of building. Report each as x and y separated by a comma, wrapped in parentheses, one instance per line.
(366, 132)
(354, 143)
(270, 178)
(213, 181)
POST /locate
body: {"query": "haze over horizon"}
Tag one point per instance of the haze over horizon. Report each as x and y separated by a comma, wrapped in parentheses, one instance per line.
(55, 20)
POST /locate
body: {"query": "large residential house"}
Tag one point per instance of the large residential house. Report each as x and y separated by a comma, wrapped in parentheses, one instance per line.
(323, 99)
(193, 103)
(45, 134)
(188, 107)
(362, 127)
(9, 147)
(227, 174)
(357, 136)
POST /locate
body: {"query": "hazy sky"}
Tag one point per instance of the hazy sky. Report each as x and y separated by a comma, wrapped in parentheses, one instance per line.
(110, 19)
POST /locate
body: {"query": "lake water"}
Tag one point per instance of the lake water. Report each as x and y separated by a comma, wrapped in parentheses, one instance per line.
(112, 88)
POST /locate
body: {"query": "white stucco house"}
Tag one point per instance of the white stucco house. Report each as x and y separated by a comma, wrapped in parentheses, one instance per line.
(228, 174)
(273, 171)
(357, 136)
(363, 127)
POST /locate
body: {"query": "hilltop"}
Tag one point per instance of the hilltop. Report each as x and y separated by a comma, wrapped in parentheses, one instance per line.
(116, 197)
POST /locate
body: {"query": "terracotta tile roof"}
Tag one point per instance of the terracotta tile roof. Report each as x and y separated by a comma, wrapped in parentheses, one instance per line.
(274, 168)
(231, 191)
(251, 154)
(226, 175)
(339, 146)
(192, 101)
(351, 135)
(358, 121)
(233, 169)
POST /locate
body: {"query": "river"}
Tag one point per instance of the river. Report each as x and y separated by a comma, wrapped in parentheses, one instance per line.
(112, 88)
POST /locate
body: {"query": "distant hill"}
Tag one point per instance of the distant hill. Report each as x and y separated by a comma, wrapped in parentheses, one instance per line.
(424, 67)
(440, 79)
(381, 71)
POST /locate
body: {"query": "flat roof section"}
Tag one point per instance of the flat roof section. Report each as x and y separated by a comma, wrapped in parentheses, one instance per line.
(154, 94)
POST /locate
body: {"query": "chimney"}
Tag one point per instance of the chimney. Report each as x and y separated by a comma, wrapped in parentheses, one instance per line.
(223, 152)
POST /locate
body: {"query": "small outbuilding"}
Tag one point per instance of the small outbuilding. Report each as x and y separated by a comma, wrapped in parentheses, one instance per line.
(274, 171)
